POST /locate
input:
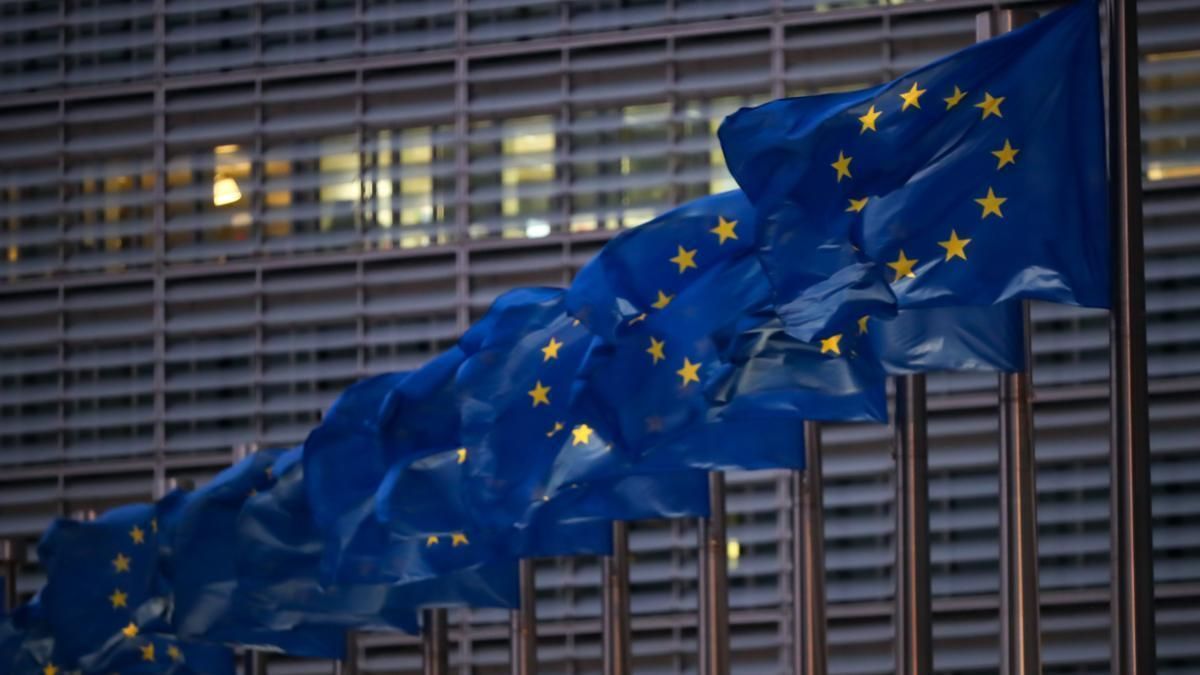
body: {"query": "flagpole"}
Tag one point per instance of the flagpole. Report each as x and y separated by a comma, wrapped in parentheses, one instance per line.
(1131, 563)
(914, 643)
(1020, 634)
(809, 651)
(616, 627)
(434, 641)
(714, 583)
(254, 662)
(11, 549)
(348, 665)
(523, 624)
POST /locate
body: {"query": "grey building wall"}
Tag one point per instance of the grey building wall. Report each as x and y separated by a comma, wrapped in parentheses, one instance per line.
(216, 214)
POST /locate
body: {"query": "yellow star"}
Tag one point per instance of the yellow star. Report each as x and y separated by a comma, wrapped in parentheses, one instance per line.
(130, 631)
(174, 653)
(689, 372)
(685, 259)
(662, 301)
(955, 247)
(147, 652)
(1006, 155)
(903, 267)
(912, 98)
(581, 435)
(118, 599)
(558, 426)
(540, 394)
(862, 324)
(955, 99)
(431, 540)
(857, 205)
(137, 535)
(832, 344)
(656, 350)
(550, 351)
(461, 455)
(121, 563)
(724, 229)
(842, 166)
(641, 317)
(868, 120)
(991, 204)
(50, 669)
(575, 322)
(458, 539)
(990, 105)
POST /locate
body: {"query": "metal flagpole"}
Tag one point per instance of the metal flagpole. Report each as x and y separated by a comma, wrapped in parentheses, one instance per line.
(434, 642)
(1020, 635)
(714, 583)
(12, 554)
(914, 643)
(809, 651)
(1131, 563)
(254, 662)
(616, 632)
(348, 665)
(523, 624)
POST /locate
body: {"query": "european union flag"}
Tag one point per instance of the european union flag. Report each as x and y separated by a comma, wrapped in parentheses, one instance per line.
(199, 546)
(259, 583)
(678, 380)
(514, 396)
(279, 587)
(396, 512)
(102, 581)
(705, 252)
(976, 179)
(341, 492)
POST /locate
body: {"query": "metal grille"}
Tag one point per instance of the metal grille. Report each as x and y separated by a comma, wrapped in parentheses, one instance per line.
(216, 214)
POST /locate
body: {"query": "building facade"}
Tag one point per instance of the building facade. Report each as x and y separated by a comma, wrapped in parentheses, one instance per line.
(217, 214)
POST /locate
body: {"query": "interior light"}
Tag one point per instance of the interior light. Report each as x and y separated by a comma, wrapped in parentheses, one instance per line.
(733, 551)
(225, 191)
(536, 228)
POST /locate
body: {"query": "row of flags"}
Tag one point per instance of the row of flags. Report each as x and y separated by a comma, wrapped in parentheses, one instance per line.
(884, 231)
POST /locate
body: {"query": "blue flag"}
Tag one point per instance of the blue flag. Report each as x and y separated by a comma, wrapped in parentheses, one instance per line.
(105, 605)
(102, 581)
(521, 430)
(976, 179)
(345, 458)
(279, 599)
(252, 558)
(678, 381)
(702, 254)
(199, 545)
